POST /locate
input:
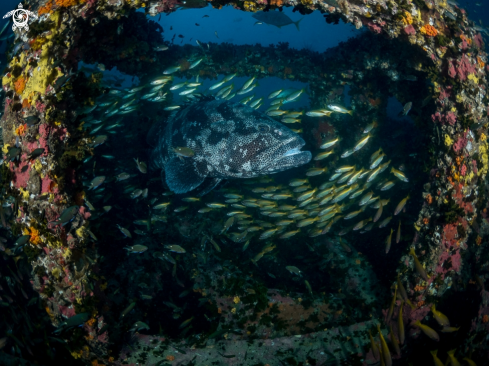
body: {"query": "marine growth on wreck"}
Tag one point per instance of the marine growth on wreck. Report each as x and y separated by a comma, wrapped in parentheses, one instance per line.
(226, 203)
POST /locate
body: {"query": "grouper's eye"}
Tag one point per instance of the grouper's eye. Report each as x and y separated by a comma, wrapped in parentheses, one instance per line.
(263, 128)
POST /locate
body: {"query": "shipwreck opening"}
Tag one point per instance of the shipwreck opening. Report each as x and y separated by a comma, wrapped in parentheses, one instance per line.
(224, 290)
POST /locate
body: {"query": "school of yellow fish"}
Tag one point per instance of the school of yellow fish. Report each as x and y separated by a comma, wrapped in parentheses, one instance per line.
(310, 204)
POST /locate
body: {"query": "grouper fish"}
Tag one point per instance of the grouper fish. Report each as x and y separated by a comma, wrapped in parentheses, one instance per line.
(229, 140)
(276, 18)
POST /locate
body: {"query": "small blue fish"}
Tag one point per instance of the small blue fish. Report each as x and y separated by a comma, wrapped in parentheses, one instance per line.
(66, 216)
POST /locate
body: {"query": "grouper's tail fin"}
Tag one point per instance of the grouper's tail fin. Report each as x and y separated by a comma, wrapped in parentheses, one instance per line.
(297, 23)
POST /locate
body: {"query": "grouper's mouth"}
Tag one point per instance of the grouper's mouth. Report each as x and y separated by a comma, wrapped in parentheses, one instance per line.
(289, 155)
(294, 151)
(291, 147)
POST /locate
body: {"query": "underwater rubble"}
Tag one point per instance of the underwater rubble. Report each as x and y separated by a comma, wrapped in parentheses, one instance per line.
(49, 231)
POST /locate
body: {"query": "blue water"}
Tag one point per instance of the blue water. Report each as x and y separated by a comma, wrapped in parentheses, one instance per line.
(237, 27)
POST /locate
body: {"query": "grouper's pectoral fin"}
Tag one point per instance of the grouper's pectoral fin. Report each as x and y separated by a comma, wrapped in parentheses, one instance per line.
(182, 175)
(208, 185)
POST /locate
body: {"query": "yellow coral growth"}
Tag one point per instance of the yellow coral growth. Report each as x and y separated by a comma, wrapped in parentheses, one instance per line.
(448, 141)
(45, 73)
(236, 299)
(38, 167)
(81, 232)
(407, 18)
(55, 244)
(429, 30)
(473, 78)
(56, 272)
(468, 178)
(484, 158)
(77, 354)
(38, 43)
(19, 85)
(67, 253)
(483, 137)
(25, 194)
(249, 6)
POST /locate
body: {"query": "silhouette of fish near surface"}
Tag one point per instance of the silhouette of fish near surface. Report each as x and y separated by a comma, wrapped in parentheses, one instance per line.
(228, 140)
(275, 18)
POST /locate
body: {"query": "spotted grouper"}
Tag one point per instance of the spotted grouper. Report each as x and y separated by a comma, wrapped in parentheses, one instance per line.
(227, 140)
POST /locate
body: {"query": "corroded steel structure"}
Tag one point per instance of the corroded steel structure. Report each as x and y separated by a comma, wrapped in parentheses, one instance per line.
(46, 102)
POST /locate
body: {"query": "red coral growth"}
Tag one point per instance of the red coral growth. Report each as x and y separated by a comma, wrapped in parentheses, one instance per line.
(20, 178)
(445, 93)
(455, 262)
(45, 131)
(103, 337)
(167, 6)
(460, 144)
(409, 30)
(67, 311)
(474, 166)
(465, 67)
(451, 118)
(436, 117)
(416, 314)
(40, 107)
(478, 41)
(463, 170)
(374, 27)
(84, 213)
(459, 199)
(449, 234)
(451, 70)
(468, 207)
(48, 186)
